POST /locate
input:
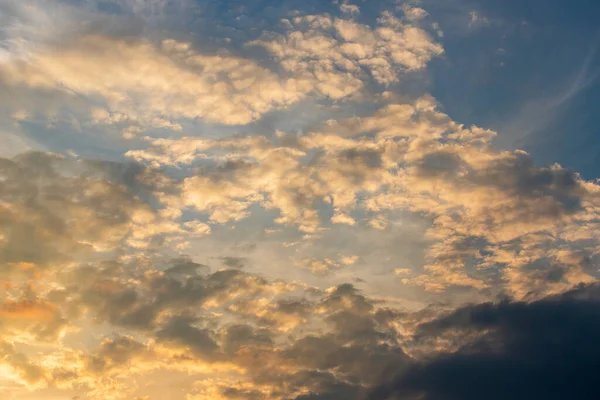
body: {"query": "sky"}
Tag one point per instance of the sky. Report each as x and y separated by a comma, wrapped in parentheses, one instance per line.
(299, 200)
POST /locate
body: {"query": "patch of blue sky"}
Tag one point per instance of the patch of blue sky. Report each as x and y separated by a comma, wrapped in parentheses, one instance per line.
(528, 71)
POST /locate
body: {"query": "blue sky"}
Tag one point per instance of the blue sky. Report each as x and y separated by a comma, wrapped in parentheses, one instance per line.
(529, 71)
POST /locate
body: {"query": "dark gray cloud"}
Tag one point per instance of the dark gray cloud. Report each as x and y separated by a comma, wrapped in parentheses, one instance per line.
(519, 176)
(234, 262)
(184, 266)
(181, 331)
(547, 349)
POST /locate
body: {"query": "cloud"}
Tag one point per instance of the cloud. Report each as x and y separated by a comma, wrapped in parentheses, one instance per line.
(324, 266)
(477, 20)
(56, 209)
(334, 55)
(88, 74)
(31, 319)
(31, 374)
(405, 156)
(180, 331)
(544, 349)
(190, 330)
(349, 8)
(148, 82)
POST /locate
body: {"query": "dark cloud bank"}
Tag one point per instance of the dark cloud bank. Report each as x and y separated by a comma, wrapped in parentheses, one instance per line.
(547, 349)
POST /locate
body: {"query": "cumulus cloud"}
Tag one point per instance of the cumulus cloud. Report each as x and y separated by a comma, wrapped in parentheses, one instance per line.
(122, 78)
(55, 209)
(406, 156)
(333, 54)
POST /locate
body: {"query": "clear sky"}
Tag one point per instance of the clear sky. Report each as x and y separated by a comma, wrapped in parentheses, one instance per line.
(299, 200)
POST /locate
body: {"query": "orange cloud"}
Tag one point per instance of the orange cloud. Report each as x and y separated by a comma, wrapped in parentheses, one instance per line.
(28, 310)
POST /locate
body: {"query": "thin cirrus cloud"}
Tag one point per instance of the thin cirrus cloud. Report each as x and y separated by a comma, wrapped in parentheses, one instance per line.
(383, 251)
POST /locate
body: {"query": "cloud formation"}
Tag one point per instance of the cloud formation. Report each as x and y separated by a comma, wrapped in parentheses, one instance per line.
(151, 83)
(333, 54)
(225, 205)
(519, 350)
(482, 201)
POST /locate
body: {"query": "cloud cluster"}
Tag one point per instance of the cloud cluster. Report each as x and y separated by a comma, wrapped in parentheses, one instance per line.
(186, 320)
(147, 83)
(487, 207)
(333, 54)
(272, 339)
(121, 78)
(189, 321)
